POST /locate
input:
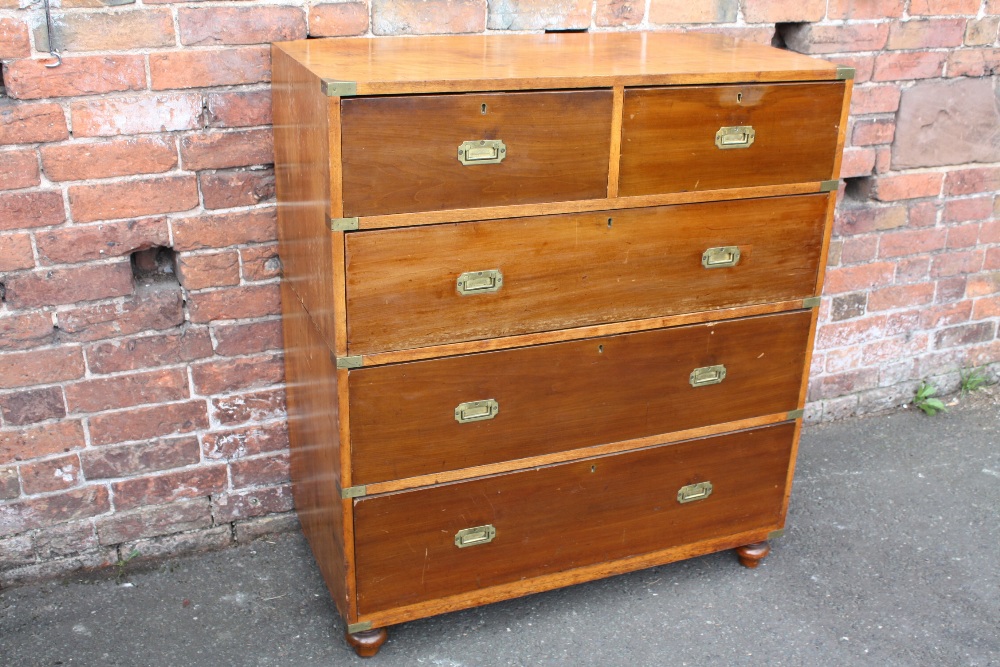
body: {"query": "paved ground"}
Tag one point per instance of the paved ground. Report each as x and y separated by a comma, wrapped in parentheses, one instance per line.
(892, 557)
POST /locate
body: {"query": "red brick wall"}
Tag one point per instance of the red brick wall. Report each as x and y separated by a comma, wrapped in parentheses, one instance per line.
(143, 409)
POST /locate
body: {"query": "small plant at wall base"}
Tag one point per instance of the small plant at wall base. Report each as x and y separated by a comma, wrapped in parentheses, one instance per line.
(972, 379)
(925, 399)
(122, 562)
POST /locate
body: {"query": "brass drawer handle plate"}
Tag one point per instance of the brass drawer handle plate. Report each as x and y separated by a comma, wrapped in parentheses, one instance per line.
(706, 375)
(693, 492)
(735, 136)
(721, 257)
(484, 151)
(470, 537)
(479, 282)
(476, 411)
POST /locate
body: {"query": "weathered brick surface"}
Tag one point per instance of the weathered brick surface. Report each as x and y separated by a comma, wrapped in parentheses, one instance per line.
(32, 405)
(260, 262)
(235, 303)
(225, 229)
(87, 75)
(249, 441)
(18, 169)
(143, 457)
(24, 369)
(102, 159)
(148, 351)
(121, 31)
(219, 150)
(53, 287)
(42, 512)
(22, 444)
(155, 308)
(209, 269)
(138, 114)
(263, 471)
(239, 339)
(148, 422)
(239, 505)
(155, 520)
(679, 11)
(216, 377)
(251, 407)
(195, 69)
(239, 187)
(15, 252)
(785, 11)
(51, 475)
(422, 17)
(14, 42)
(21, 210)
(619, 12)
(240, 109)
(130, 199)
(338, 19)
(260, 24)
(124, 391)
(81, 243)
(160, 489)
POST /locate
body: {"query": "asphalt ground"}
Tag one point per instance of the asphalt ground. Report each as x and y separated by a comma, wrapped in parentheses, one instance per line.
(891, 557)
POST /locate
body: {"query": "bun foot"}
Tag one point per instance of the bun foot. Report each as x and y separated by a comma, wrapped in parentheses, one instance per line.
(750, 555)
(367, 642)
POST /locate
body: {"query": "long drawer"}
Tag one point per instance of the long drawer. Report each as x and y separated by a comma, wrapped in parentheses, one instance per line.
(423, 417)
(688, 138)
(551, 519)
(470, 281)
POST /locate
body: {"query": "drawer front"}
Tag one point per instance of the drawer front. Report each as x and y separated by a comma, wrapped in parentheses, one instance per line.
(669, 136)
(551, 519)
(401, 154)
(572, 270)
(552, 398)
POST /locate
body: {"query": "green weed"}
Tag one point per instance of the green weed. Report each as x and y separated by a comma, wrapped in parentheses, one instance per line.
(925, 399)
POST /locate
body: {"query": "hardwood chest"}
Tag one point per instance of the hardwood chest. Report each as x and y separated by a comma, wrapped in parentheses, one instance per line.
(549, 303)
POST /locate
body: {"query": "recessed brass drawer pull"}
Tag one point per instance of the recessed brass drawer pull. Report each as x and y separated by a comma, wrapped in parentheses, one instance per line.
(476, 411)
(479, 282)
(693, 492)
(706, 375)
(735, 136)
(721, 257)
(470, 537)
(484, 151)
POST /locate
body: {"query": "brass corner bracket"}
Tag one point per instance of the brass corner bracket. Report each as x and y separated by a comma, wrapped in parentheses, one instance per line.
(844, 73)
(334, 88)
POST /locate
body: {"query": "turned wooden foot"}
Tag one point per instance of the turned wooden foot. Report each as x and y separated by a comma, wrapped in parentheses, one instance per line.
(750, 555)
(367, 642)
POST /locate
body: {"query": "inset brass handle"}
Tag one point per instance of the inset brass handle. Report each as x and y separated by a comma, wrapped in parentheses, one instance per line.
(483, 151)
(693, 492)
(706, 375)
(476, 411)
(479, 282)
(470, 537)
(721, 257)
(735, 136)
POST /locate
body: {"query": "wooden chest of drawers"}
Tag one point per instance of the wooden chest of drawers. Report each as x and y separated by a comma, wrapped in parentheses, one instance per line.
(548, 304)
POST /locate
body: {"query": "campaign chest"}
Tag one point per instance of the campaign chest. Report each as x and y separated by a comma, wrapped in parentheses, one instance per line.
(549, 303)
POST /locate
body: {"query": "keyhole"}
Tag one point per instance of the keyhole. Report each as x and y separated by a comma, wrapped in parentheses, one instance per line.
(739, 98)
(593, 468)
(600, 349)
(610, 220)
(482, 109)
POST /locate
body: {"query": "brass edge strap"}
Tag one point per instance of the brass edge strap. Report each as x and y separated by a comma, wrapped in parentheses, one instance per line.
(795, 414)
(334, 88)
(812, 302)
(342, 224)
(776, 533)
(829, 186)
(349, 362)
(358, 627)
(353, 492)
(844, 73)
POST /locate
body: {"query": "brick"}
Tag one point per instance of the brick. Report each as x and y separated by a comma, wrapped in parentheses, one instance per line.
(982, 32)
(216, 377)
(757, 34)
(990, 231)
(148, 422)
(844, 359)
(259, 24)
(171, 487)
(26, 369)
(256, 502)
(122, 391)
(136, 115)
(909, 65)
(863, 220)
(859, 249)
(984, 309)
(619, 13)
(28, 443)
(783, 11)
(875, 99)
(857, 162)
(956, 263)
(848, 306)
(983, 285)
(120, 31)
(943, 7)
(839, 38)
(54, 287)
(854, 278)
(974, 62)
(421, 17)
(883, 352)
(908, 186)
(52, 475)
(10, 487)
(118, 157)
(82, 243)
(26, 330)
(267, 526)
(248, 441)
(247, 338)
(225, 229)
(144, 457)
(182, 544)
(155, 308)
(215, 269)
(873, 131)
(65, 540)
(864, 9)
(16, 253)
(924, 34)
(924, 214)
(196, 69)
(839, 384)
(253, 407)
(962, 210)
(264, 471)
(14, 41)
(219, 150)
(156, 520)
(992, 7)
(911, 242)
(965, 334)
(679, 11)
(901, 296)
(241, 187)
(241, 109)
(18, 169)
(87, 75)
(950, 289)
(21, 210)
(338, 19)
(260, 262)
(853, 332)
(44, 512)
(972, 181)
(942, 316)
(235, 303)
(912, 270)
(132, 199)
(32, 406)
(864, 66)
(160, 350)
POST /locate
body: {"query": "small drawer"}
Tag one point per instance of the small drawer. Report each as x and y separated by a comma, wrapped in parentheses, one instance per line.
(424, 417)
(434, 152)
(472, 281)
(691, 138)
(419, 545)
